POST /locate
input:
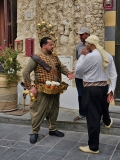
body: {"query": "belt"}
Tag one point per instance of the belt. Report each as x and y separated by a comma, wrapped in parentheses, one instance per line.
(101, 83)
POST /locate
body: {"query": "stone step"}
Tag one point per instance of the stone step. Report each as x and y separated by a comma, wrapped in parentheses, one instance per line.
(81, 126)
(66, 116)
(115, 111)
(65, 122)
(115, 115)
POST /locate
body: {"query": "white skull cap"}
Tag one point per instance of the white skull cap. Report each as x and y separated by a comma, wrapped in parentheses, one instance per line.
(93, 40)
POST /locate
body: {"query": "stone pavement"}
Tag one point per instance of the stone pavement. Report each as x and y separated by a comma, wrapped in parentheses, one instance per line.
(65, 120)
(15, 130)
(14, 145)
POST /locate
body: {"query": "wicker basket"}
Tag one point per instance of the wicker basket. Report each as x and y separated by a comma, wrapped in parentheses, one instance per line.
(58, 89)
(8, 95)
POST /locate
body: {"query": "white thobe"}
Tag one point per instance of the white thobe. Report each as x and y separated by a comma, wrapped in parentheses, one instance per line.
(91, 67)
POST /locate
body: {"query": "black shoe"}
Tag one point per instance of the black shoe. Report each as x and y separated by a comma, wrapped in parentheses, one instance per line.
(33, 138)
(56, 133)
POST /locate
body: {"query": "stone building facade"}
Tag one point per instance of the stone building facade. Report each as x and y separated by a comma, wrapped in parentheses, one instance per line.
(67, 17)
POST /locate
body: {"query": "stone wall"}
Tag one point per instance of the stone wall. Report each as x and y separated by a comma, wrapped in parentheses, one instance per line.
(67, 17)
(25, 28)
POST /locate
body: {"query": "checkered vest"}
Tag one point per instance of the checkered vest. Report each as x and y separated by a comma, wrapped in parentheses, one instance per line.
(42, 74)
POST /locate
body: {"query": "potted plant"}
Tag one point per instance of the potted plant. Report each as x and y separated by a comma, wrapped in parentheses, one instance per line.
(9, 76)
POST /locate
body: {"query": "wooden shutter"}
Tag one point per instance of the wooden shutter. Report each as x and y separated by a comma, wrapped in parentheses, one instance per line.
(8, 22)
(13, 20)
(29, 46)
(10, 14)
(2, 31)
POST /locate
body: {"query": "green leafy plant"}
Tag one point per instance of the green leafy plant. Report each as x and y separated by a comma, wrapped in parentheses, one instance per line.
(10, 65)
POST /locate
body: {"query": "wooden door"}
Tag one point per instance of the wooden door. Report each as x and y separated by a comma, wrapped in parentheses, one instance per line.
(117, 50)
(2, 29)
(8, 22)
(13, 6)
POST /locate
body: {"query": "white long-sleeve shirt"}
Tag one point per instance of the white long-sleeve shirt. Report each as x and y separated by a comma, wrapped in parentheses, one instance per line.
(91, 67)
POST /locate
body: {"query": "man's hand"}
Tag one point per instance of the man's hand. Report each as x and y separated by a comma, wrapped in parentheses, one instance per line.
(26, 92)
(84, 51)
(71, 75)
(110, 97)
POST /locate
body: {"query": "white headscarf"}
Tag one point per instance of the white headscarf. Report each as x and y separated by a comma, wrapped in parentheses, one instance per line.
(95, 40)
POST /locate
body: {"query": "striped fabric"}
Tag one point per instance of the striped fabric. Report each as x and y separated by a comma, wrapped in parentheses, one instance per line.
(102, 83)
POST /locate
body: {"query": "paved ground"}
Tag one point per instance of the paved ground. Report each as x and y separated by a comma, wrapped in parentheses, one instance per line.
(14, 145)
(14, 138)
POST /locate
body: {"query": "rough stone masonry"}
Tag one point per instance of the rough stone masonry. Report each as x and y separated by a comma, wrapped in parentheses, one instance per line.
(67, 17)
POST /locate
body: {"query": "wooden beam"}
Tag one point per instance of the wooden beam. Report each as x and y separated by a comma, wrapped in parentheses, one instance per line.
(6, 19)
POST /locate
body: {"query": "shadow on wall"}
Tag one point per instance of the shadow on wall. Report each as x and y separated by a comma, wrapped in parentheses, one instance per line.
(68, 99)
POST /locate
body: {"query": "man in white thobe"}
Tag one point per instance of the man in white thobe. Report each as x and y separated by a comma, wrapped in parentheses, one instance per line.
(97, 67)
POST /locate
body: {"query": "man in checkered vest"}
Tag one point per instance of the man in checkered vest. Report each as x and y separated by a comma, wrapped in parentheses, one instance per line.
(46, 105)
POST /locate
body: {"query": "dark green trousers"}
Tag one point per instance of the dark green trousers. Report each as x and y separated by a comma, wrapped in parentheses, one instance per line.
(46, 106)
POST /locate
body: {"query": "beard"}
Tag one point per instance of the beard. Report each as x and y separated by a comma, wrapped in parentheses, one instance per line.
(49, 52)
(89, 50)
(83, 40)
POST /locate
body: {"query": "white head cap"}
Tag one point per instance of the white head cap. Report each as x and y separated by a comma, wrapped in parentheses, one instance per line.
(95, 41)
(92, 39)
